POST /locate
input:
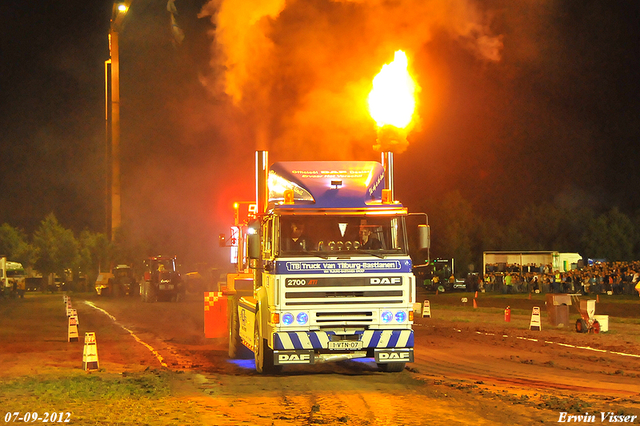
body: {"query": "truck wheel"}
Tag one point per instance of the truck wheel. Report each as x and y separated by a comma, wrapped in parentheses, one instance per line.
(236, 349)
(392, 367)
(148, 294)
(581, 326)
(263, 354)
(144, 291)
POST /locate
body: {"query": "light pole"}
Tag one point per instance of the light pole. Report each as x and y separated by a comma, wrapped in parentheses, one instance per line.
(117, 17)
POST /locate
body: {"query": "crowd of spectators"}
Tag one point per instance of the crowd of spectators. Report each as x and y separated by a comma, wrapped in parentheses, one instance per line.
(598, 278)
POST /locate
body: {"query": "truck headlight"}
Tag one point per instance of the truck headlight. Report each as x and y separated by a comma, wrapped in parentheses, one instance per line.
(302, 318)
(287, 319)
(386, 317)
(401, 316)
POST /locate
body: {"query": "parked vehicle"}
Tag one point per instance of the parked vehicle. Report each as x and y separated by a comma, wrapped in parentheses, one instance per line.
(120, 282)
(162, 281)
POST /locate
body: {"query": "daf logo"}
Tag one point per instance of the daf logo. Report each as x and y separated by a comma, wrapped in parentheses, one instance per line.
(394, 356)
(293, 358)
(392, 280)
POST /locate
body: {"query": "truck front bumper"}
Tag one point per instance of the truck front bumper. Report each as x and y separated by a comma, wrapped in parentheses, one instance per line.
(381, 356)
(319, 340)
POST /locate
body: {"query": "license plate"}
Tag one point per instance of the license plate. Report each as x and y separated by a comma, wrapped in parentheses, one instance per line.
(345, 345)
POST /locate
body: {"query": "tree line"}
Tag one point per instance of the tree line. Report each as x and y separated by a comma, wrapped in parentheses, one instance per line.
(459, 233)
(54, 249)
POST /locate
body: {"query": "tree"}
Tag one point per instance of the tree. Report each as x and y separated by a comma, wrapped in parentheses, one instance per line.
(610, 236)
(56, 247)
(456, 230)
(94, 254)
(14, 245)
(547, 227)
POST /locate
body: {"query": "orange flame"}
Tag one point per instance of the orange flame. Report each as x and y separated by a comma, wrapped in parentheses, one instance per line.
(392, 101)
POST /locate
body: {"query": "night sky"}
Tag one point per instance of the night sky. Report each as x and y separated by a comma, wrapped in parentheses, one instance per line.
(521, 102)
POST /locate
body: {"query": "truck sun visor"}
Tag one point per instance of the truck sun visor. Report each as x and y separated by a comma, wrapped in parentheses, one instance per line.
(278, 185)
(345, 184)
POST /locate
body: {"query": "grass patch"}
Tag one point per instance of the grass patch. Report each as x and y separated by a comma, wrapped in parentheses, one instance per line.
(90, 387)
(101, 398)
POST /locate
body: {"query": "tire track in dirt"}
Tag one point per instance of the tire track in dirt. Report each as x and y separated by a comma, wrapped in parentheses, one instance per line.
(497, 362)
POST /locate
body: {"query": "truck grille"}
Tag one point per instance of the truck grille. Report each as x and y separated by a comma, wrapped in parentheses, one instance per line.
(343, 297)
(353, 318)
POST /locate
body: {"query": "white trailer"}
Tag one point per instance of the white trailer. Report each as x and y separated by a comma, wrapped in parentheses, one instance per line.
(555, 261)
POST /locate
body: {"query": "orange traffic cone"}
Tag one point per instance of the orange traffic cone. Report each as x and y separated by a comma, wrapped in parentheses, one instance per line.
(436, 292)
(529, 296)
(476, 296)
(597, 298)
(475, 304)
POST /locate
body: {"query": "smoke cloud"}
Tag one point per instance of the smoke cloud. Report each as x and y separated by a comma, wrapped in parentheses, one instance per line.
(298, 72)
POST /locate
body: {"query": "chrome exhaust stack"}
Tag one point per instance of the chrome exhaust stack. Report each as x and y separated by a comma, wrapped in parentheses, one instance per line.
(387, 162)
(262, 175)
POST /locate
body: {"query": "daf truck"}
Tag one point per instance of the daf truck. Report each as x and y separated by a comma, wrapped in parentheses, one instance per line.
(325, 255)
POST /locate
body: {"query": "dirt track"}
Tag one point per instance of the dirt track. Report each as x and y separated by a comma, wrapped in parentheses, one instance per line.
(471, 367)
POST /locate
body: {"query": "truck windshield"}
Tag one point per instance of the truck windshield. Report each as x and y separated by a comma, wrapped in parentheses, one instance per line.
(348, 234)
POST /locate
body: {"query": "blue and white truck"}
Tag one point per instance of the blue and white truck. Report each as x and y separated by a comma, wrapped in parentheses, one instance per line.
(331, 276)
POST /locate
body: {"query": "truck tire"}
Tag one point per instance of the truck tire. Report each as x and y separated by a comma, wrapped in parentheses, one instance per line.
(581, 326)
(143, 292)
(236, 349)
(263, 354)
(148, 294)
(392, 367)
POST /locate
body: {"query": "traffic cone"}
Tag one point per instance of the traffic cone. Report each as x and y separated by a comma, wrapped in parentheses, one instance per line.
(476, 296)
(72, 333)
(90, 352)
(597, 298)
(436, 291)
(535, 323)
(475, 304)
(426, 309)
(529, 295)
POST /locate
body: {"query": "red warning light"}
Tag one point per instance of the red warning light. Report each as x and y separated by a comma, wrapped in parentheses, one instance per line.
(253, 211)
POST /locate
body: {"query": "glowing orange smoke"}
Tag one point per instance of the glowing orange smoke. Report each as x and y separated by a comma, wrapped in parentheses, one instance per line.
(392, 101)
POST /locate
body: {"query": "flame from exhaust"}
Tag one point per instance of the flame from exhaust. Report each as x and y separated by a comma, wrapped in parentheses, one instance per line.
(392, 101)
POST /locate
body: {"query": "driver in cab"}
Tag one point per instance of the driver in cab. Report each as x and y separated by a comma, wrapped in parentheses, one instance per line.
(367, 240)
(297, 241)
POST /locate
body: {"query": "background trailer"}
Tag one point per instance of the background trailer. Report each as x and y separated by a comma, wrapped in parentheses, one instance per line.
(534, 261)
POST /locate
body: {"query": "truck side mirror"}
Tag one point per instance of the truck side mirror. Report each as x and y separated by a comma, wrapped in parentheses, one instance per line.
(253, 243)
(424, 236)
